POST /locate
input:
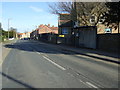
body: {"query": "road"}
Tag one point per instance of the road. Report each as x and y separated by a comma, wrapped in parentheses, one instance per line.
(33, 64)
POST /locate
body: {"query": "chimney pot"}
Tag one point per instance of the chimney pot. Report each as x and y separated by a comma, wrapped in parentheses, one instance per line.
(48, 25)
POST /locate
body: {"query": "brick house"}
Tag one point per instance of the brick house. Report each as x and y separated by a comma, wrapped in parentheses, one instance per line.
(24, 35)
(43, 31)
(65, 28)
(46, 29)
(54, 29)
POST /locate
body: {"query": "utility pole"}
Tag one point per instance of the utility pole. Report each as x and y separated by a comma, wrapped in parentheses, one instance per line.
(8, 29)
(8, 26)
(35, 32)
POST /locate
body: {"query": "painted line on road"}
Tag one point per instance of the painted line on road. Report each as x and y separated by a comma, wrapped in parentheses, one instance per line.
(46, 55)
(38, 53)
(81, 81)
(91, 85)
(42, 53)
(54, 63)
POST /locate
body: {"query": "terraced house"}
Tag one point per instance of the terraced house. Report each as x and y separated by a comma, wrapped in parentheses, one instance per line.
(43, 31)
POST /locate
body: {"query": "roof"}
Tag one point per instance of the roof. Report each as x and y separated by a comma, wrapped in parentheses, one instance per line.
(20, 33)
(54, 28)
(64, 13)
(44, 29)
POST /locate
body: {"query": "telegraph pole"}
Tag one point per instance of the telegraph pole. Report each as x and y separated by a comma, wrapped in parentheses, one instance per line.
(8, 28)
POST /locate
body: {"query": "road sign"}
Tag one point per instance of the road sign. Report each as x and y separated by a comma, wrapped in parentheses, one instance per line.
(61, 35)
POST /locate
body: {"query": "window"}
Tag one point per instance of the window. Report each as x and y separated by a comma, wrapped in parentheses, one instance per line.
(64, 31)
(108, 30)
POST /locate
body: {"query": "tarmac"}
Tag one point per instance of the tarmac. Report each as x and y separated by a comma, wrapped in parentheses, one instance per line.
(101, 55)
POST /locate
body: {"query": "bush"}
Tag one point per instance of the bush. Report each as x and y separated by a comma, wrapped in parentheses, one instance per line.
(2, 38)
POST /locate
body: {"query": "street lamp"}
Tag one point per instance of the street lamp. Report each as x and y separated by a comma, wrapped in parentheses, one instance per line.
(8, 27)
(35, 32)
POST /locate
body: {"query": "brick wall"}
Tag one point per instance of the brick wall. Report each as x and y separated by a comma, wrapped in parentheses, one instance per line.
(108, 42)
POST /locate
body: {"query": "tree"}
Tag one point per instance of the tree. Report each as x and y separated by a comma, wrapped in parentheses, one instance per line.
(86, 10)
(60, 7)
(2, 33)
(0, 26)
(81, 11)
(12, 32)
(112, 16)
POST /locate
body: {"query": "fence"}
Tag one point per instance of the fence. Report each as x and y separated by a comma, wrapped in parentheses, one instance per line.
(86, 36)
(109, 42)
(48, 37)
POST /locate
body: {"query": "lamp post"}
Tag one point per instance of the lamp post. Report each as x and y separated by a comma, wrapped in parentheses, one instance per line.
(8, 27)
(35, 32)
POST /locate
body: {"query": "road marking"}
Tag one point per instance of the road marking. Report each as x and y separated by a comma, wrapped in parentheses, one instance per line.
(81, 81)
(91, 85)
(54, 63)
(38, 53)
(46, 55)
(42, 53)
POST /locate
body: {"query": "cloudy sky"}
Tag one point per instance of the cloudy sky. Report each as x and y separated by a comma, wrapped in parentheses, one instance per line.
(25, 16)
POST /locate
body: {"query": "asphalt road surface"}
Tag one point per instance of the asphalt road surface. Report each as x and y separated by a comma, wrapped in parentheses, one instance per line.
(33, 64)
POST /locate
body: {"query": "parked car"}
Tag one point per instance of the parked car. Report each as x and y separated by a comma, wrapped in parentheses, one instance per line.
(11, 38)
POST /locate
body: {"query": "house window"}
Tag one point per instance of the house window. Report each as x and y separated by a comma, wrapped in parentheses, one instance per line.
(108, 30)
(64, 31)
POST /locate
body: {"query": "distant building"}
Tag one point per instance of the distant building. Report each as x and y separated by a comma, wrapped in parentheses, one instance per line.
(24, 35)
(43, 29)
(54, 29)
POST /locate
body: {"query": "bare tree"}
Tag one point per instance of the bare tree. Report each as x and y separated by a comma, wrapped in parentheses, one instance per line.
(60, 7)
(81, 11)
(86, 10)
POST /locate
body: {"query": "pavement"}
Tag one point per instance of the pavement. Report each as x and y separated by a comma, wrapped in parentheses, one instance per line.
(5, 51)
(100, 55)
(106, 56)
(33, 64)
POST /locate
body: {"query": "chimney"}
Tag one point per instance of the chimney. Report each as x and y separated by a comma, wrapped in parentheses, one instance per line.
(48, 25)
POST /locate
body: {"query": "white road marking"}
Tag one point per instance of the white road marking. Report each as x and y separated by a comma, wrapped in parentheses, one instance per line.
(54, 63)
(91, 85)
(81, 81)
(45, 55)
(38, 53)
(42, 53)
